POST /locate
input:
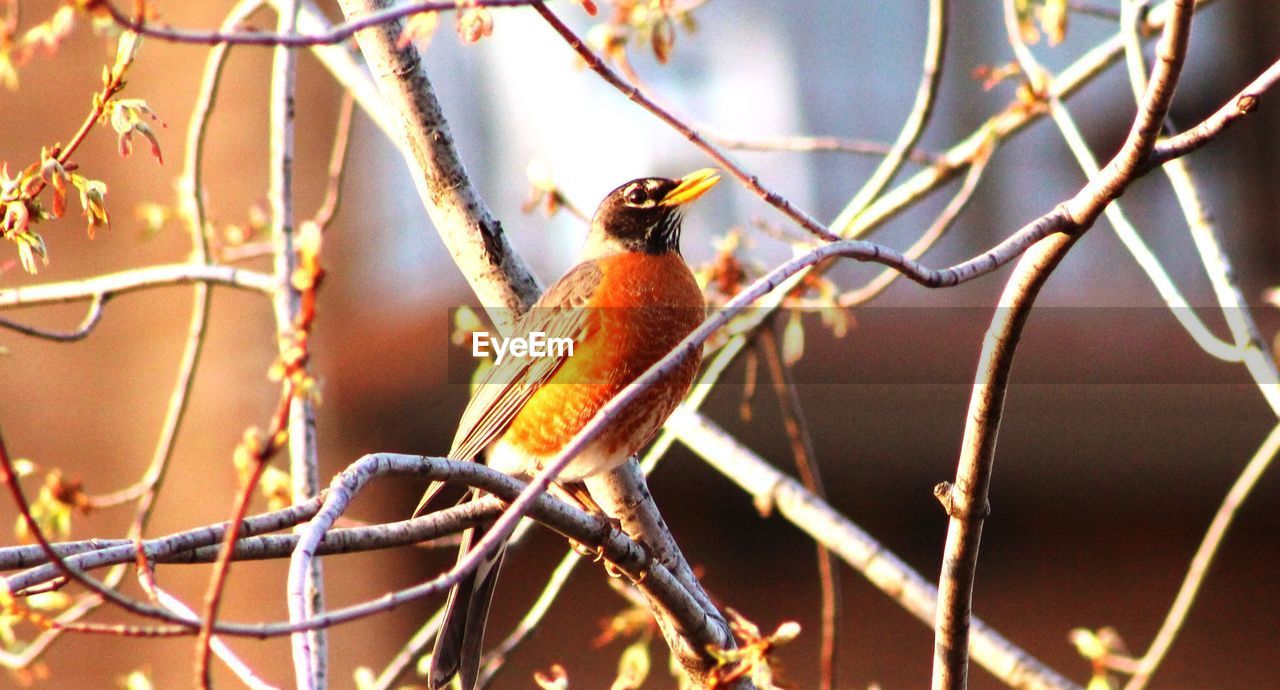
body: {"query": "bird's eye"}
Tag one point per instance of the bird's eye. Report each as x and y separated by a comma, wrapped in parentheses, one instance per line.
(636, 196)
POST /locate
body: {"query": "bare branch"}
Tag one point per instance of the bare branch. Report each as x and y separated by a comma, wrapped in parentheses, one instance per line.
(81, 332)
(289, 38)
(498, 275)
(809, 144)
(1242, 104)
(624, 495)
(751, 182)
(824, 524)
(112, 284)
(1208, 548)
(806, 460)
(966, 500)
(912, 127)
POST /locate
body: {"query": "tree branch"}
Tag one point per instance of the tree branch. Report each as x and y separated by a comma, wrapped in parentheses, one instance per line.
(112, 284)
(966, 500)
(81, 332)
(475, 239)
(289, 38)
(816, 518)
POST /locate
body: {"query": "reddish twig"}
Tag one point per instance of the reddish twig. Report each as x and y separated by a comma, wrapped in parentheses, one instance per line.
(335, 34)
(793, 421)
(276, 437)
(751, 182)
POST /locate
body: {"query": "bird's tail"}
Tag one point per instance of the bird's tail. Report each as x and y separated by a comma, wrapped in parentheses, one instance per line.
(461, 637)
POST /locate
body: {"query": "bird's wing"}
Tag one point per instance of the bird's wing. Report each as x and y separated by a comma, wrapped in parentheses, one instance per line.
(559, 313)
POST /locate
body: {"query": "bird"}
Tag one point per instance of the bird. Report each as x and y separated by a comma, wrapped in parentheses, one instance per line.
(628, 301)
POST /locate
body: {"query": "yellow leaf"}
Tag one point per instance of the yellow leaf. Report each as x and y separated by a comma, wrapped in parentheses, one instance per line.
(365, 678)
(793, 339)
(633, 666)
(556, 679)
(49, 601)
(1087, 643)
(126, 50)
(23, 467)
(137, 680)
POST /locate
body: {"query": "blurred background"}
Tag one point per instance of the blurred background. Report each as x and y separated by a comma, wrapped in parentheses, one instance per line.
(1104, 483)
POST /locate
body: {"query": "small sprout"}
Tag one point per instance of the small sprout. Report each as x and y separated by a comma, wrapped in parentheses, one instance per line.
(663, 39)
(418, 30)
(30, 248)
(588, 6)
(277, 488)
(1053, 18)
(556, 679)
(93, 200)
(1087, 643)
(610, 40)
(126, 51)
(252, 447)
(49, 601)
(793, 339)
(8, 71)
(48, 35)
(725, 275)
(51, 509)
(465, 322)
(1106, 653)
(137, 680)
(55, 175)
(631, 621)
(23, 467)
(130, 116)
(308, 274)
(754, 658)
(153, 217)
(633, 666)
(474, 23)
(366, 679)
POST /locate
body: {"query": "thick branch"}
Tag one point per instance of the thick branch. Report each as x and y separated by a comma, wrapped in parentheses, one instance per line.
(498, 275)
(816, 518)
(966, 500)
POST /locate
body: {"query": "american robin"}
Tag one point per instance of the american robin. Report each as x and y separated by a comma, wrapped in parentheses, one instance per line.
(628, 302)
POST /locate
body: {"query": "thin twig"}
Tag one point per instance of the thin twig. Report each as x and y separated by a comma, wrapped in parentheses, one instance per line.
(220, 648)
(809, 144)
(797, 428)
(192, 198)
(818, 519)
(912, 127)
(221, 567)
(290, 38)
(497, 657)
(203, 544)
(81, 332)
(751, 182)
(1199, 567)
(1240, 105)
(337, 163)
(111, 284)
(500, 278)
(929, 237)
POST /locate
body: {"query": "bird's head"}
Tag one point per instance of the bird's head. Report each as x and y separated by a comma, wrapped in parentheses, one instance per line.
(645, 214)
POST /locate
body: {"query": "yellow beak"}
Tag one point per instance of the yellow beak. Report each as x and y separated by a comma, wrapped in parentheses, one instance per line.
(692, 186)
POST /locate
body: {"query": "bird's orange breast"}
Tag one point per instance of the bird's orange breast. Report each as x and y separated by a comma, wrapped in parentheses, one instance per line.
(643, 306)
